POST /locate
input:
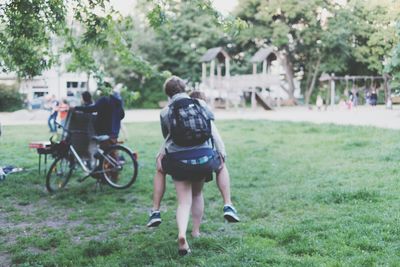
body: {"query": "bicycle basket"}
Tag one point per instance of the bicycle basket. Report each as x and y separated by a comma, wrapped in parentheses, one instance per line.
(59, 149)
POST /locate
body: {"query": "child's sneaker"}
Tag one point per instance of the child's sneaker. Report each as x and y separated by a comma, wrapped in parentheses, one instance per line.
(154, 219)
(230, 214)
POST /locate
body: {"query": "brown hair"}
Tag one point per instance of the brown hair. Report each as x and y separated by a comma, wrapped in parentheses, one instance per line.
(198, 95)
(174, 85)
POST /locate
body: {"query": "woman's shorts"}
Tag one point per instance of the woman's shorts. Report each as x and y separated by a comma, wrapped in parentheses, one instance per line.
(180, 171)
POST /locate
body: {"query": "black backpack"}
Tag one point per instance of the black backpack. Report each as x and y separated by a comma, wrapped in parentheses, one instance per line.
(189, 123)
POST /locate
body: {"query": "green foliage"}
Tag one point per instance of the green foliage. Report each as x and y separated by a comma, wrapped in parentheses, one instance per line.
(393, 66)
(156, 16)
(29, 30)
(184, 39)
(293, 27)
(10, 98)
(130, 98)
(373, 36)
(316, 36)
(319, 36)
(151, 91)
(136, 74)
(95, 36)
(35, 34)
(183, 32)
(25, 35)
(164, 12)
(175, 46)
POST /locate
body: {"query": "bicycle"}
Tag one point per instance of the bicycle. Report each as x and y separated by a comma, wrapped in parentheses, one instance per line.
(116, 165)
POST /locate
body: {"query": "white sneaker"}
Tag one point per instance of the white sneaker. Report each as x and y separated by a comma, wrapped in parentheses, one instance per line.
(230, 214)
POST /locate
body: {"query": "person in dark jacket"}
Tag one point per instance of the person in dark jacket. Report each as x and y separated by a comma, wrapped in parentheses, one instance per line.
(110, 112)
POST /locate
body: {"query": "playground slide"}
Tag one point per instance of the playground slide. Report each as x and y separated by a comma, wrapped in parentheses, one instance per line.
(260, 100)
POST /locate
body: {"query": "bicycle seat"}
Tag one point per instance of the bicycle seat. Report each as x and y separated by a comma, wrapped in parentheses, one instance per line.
(100, 138)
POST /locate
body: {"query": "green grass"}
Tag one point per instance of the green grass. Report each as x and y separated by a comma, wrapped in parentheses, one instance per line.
(308, 195)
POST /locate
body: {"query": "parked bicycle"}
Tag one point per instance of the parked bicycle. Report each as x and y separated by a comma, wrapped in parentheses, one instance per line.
(116, 165)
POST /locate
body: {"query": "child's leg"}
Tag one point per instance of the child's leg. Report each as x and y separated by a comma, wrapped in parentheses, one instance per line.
(223, 183)
(158, 189)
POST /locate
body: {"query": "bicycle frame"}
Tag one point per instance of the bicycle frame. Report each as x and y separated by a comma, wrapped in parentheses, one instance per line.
(79, 159)
(73, 151)
(113, 164)
(75, 154)
(99, 151)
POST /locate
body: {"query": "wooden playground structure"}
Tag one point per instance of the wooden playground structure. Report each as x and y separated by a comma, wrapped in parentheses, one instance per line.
(224, 90)
(265, 88)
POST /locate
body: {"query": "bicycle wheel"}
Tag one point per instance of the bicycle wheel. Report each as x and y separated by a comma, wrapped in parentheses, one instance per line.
(58, 175)
(119, 167)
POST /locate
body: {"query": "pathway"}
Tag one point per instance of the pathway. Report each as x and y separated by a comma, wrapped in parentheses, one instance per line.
(363, 116)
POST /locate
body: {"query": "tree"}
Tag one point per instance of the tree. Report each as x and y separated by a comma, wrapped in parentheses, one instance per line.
(26, 29)
(393, 65)
(106, 35)
(318, 36)
(292, 26)
(372, 34)
(185, 38)
(29, 28)
(173, 46)
(187, 29)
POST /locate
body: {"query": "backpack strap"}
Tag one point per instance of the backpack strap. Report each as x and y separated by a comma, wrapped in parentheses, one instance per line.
(166, 139)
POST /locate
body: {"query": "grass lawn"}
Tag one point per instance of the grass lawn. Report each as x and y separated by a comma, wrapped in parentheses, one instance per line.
(308, 195)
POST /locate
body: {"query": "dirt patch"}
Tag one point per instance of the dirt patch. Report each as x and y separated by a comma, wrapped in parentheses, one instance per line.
(57, 219)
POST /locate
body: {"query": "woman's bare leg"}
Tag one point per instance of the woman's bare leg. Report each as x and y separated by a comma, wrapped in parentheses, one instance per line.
(197, 207)
(184, 194)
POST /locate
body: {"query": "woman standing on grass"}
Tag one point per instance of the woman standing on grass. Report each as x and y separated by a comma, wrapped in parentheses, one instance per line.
(187, 155)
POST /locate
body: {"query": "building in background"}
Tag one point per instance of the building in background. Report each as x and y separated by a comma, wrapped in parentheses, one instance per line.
(60, 84)
(55, 81)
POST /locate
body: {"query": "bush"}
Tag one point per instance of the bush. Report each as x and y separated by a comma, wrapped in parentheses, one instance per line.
(130, 98)
(142, 92)
(151, 92)
(10, 98)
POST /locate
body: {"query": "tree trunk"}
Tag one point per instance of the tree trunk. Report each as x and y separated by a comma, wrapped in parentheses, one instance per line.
(308, 82)
(87, 80)
(310, 89)
(289, 75)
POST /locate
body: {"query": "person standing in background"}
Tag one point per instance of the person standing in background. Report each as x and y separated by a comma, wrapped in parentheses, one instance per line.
(86, 99)
(110, 112)
(62, 109)
(51, 121)
(319, 102)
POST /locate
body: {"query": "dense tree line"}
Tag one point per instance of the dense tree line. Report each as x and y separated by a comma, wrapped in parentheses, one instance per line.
(313, 36)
